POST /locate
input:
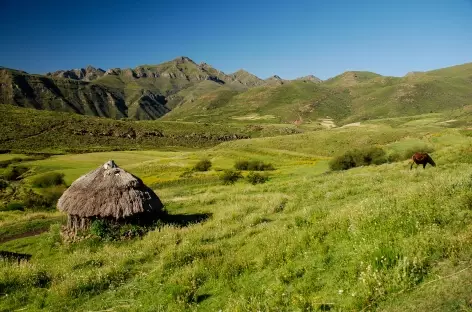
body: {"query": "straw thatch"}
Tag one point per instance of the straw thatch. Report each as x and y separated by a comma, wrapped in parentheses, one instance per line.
(108, 192)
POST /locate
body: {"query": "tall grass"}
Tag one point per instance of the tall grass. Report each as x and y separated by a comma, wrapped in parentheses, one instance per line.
(369, 238)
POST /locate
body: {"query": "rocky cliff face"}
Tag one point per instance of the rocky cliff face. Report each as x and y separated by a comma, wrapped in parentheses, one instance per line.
(42, 92)
(310, 78)
(141, 92)
(86, 74)
(275, 80)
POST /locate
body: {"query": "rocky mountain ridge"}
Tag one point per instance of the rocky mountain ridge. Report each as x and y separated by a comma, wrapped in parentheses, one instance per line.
(181, 89)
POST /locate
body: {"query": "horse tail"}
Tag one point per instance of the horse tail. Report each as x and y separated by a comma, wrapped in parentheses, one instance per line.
(431, 161)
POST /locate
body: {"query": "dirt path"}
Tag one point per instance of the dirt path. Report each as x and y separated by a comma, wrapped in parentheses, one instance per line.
(23, 235)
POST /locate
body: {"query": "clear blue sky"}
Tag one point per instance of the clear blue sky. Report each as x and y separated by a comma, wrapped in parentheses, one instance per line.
(287, 38)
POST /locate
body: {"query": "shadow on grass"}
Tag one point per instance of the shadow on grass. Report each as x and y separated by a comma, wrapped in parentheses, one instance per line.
(182, 220)
(13, 256)
(201, 298)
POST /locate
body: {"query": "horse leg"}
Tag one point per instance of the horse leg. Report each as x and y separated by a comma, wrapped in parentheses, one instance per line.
(424, 165)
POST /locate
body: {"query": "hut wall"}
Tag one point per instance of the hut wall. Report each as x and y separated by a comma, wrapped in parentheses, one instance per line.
(77, 223)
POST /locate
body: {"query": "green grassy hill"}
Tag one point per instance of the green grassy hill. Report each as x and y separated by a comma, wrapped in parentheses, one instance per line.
(278, 103)
(370, 238)
(347, 98)
(183, 90)
(29, 130)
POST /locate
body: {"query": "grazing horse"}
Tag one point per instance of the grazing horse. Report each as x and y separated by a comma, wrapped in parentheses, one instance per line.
(422, 159)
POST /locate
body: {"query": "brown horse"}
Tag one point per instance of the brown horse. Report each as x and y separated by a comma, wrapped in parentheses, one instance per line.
(422, 159)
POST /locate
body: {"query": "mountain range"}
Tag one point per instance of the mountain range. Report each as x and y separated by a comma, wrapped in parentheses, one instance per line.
(184, 90)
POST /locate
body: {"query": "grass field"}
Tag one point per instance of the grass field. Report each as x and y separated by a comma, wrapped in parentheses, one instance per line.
(32, 131)
(370, 238)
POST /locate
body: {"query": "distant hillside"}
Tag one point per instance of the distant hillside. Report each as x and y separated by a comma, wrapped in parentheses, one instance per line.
(349, 97)
(279, 102)
(29, 130)
(310, 78)
(184, 90)
(144, 92)
(77, 96)
(86, 74)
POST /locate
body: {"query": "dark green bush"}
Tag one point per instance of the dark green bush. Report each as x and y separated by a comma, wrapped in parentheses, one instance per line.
(13, 206)
(47, 200)
(14, 173)
(256, 178)
(253, 165)
(48, 179)
(343, 162)
(257, 165)
(3, 184)
(102, 229)
(7, 162)
(52, 195)
(230, 176)
(132, 230)
(394, 157)
(373, 156)
(110, 231)
(241, 165)
(358, 157)
(202, 165)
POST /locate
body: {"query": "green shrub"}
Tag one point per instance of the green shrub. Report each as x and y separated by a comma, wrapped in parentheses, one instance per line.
(14, 173)
(47, 200)
(358, 157)
(230, 176)
(3, 184)
(253, 165)
(256, 178)
(110, 231)
(241, 165)
(343, 162)
(394, 157)
(257, 165)
(52, 195)
(7, 162)
(132, 230)
(13, 206)
(373, 155)
(48, 179)
(102, 229)
(202, 165)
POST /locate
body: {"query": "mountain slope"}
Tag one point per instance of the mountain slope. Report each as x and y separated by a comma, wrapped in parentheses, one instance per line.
(86, 74)
(274, 103)
(349, 97)
(144, 92)
(68, 95)
(181, 89)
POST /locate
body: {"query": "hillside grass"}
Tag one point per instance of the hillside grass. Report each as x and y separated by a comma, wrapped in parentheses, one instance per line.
(350, 97)
(31, 131)
(285, 102)
(370, 238)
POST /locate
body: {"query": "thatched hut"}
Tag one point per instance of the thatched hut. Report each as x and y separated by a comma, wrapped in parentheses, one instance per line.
(109, 193)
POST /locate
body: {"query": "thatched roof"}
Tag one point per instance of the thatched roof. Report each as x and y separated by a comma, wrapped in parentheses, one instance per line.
(109, 192)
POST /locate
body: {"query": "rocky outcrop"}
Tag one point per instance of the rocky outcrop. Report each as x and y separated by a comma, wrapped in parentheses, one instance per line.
(86, 74)
(275, 80)
(310, 78)
(247, 79)
(67, 95)
(140, 93)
